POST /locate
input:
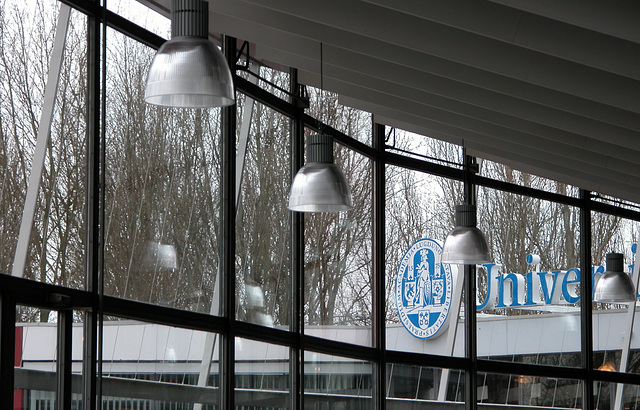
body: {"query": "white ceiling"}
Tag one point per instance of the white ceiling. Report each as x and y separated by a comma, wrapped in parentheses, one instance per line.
(549, 87)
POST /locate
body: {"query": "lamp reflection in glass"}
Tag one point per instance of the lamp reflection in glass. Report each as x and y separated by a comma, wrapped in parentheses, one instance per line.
(158, 255)
(256, 310)
(465, 244)
(607, 367)
(320, 186)
(188, 71)
(614, 286)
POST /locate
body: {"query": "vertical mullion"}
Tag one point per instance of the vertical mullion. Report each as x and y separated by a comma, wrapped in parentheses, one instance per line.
(102, 165)
(7, 350)
(92, 210)
(296, 359)
(63, 363)
(378, 263)
(227, 237)
(587, 296)
(471, 337)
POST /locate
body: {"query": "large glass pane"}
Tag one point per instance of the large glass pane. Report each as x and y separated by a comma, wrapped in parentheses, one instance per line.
(529, 297)
(334, 382)
(43, 137)
(423, 147)
(612, 396)
(517, 390)
(151, 366)
(423, 297)
(262, 375)
(162, 173)
(351, 121)
(338, 260)
(36, 357)
(615, 345)
(500, 172)
(262, 224)
(77, 352)
(142, 15)
(611, 200)
(422, 386)
(274, 81)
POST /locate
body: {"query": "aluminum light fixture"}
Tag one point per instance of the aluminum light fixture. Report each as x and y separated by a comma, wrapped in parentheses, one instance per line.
(320, 186)
(465, 244)
(188, 71)
(614, 286)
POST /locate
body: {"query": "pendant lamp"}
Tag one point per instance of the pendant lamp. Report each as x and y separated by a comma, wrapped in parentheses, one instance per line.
(465, 244)
(188, 71)
(614, 286)
(320, 186)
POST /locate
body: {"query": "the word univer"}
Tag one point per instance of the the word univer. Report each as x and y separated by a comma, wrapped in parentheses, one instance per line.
(514, 290)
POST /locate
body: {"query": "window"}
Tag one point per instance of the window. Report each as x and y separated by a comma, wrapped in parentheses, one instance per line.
(151, 280)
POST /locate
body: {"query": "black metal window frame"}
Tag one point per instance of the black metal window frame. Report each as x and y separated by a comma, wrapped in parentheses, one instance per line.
(15, 291)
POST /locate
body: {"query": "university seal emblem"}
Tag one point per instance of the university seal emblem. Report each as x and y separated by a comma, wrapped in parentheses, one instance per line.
(423, 290)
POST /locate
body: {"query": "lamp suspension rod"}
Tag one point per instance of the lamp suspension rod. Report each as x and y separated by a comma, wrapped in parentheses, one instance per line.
(321, 69)
(467, 190)
(321, 86)
(469, 167)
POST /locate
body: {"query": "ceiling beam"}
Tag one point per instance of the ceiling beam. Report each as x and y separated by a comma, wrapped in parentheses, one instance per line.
(380, 33)
(527, 30)
(303, 52)
(617, 18)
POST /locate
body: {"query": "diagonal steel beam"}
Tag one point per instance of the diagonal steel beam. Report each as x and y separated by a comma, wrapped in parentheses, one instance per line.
(44, 129)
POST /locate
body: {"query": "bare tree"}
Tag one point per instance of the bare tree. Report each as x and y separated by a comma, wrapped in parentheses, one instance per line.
(26, 38)
(262, 224)
(338, 258)
(162, 168)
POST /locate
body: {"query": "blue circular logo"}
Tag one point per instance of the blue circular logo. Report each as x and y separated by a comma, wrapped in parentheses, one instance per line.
(423, 291)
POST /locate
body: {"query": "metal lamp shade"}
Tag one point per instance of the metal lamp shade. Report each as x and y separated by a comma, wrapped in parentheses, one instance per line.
(320, 186)
(614, 286)
(465, 244)
(189, 72)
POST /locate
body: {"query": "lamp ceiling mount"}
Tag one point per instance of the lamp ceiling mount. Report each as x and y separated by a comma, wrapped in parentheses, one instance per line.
(188, 71)
(320, 186)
